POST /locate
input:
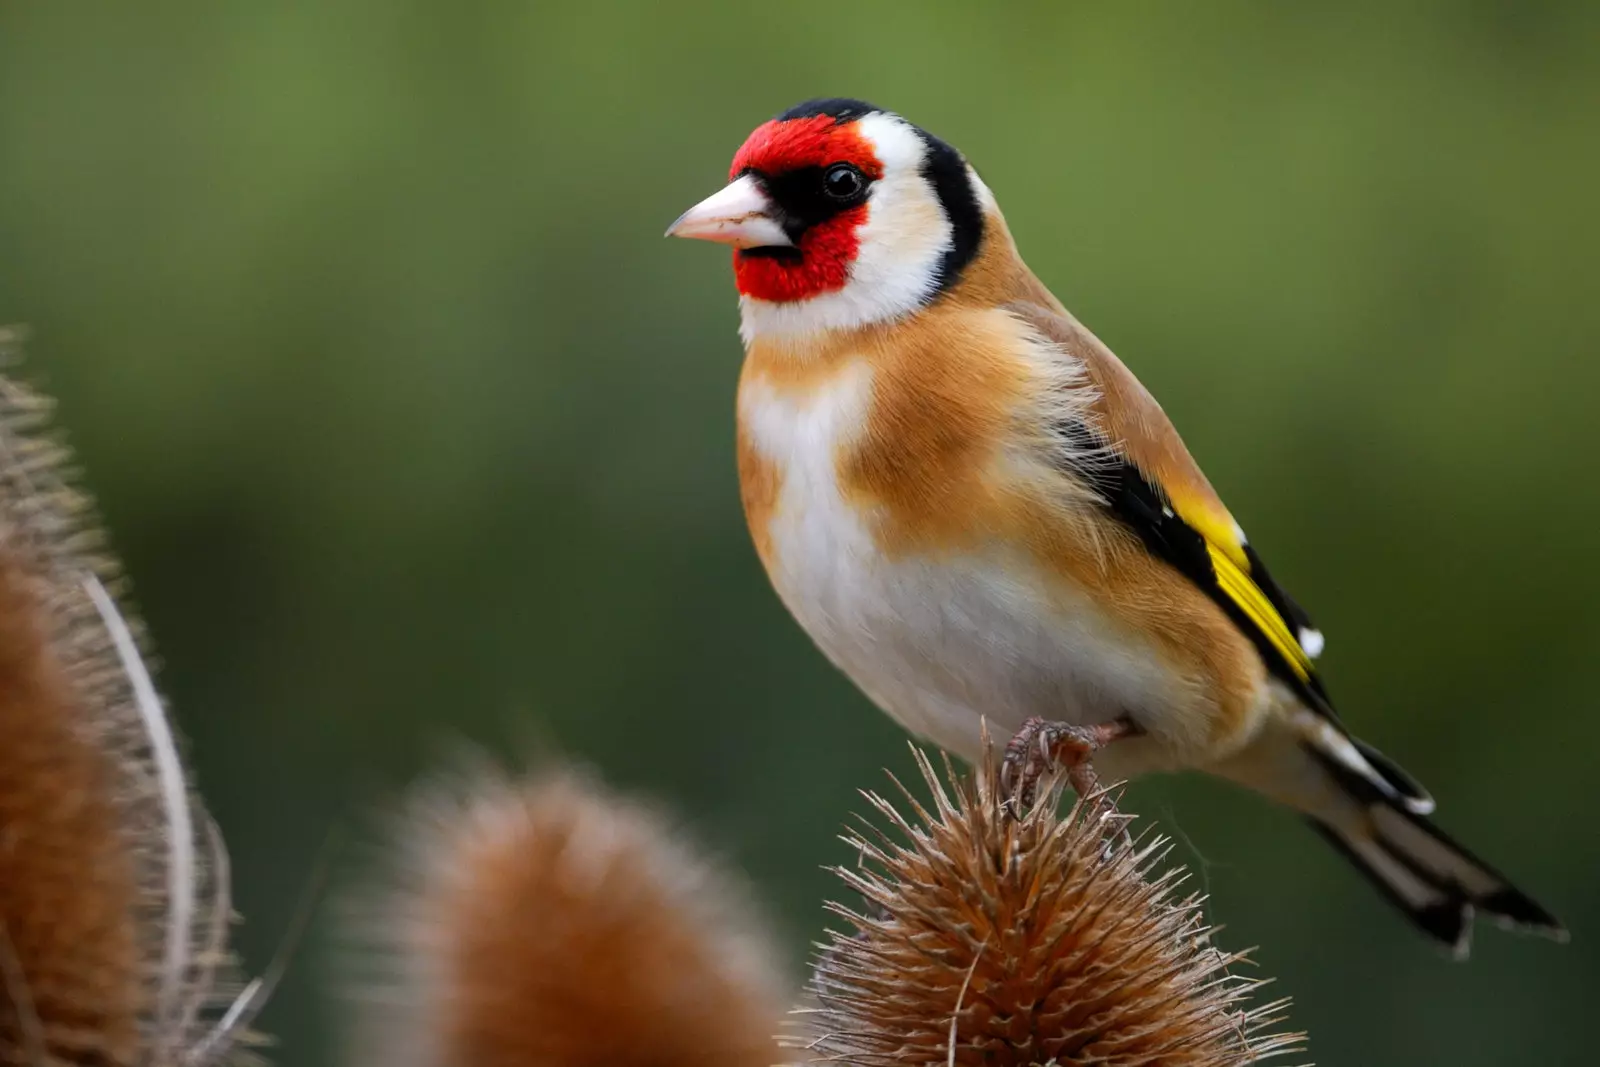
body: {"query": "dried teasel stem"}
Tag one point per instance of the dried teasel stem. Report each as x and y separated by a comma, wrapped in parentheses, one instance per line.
(997, 940)
(547, 921)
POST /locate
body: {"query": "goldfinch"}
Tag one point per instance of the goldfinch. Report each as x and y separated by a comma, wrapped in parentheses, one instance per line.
(979, 514)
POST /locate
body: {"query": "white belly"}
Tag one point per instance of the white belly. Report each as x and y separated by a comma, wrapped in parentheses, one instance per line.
(938, 643)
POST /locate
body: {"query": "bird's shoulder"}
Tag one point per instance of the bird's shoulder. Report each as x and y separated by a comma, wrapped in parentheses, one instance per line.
(1129, 416)
(1122, 409)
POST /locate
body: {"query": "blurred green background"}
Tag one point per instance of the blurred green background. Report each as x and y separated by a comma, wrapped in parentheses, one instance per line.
(412, 428)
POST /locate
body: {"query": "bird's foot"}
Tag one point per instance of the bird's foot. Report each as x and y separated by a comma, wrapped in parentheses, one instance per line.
(1042, 746)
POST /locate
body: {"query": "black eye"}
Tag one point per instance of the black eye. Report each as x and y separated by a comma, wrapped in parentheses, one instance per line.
(843, 182)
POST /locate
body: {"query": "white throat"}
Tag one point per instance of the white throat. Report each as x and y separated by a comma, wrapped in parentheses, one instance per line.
(905, 237)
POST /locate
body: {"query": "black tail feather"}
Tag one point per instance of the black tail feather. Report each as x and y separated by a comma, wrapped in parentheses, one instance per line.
(1448, 922)
(1436, 882)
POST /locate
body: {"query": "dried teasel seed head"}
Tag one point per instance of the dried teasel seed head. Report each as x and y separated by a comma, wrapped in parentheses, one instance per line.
(71, 987)
(114, 901)
(549, 922)
(995, 940)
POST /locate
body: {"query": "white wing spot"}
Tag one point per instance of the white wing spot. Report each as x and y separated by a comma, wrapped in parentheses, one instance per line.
(1311, 640)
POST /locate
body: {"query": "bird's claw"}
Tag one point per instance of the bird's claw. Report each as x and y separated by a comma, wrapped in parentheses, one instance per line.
(1042, 746)
(1039, 748)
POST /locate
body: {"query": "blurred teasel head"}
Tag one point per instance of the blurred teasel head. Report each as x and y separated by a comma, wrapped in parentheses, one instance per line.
(544, 921)
(114, 900)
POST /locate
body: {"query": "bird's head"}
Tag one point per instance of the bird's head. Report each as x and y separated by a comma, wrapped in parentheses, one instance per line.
(841, 214)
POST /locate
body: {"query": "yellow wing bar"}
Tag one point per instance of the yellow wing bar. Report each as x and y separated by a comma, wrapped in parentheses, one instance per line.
(1243, 591)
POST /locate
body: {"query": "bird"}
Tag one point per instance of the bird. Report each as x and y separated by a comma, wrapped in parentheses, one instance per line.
(982, 517)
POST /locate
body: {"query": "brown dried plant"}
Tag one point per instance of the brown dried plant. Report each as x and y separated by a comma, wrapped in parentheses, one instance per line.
(996, 940)
(551, 923)
(114, 903)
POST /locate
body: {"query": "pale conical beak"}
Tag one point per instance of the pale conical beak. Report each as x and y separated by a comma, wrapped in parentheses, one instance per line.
(741, 215)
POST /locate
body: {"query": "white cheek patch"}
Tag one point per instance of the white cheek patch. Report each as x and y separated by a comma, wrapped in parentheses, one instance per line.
(903, 241)
(986, 200)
